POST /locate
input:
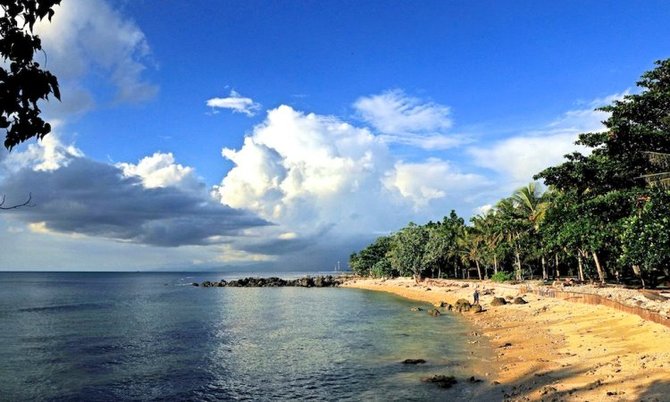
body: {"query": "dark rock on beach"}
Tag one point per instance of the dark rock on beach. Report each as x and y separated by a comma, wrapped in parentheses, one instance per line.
(442, 381)
(435, 312)
(462, 305)
(305, 282)
(413, 361)
(519, 300)
(498, 301)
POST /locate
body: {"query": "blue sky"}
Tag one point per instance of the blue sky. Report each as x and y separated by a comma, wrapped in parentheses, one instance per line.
(285, 135)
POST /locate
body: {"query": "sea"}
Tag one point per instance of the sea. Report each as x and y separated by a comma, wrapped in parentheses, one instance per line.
(153, 336)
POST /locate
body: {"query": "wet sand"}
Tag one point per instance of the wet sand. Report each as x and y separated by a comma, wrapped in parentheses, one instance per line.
(551, 349)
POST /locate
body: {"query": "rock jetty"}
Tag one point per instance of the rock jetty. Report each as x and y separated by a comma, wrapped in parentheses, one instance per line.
(274, 282)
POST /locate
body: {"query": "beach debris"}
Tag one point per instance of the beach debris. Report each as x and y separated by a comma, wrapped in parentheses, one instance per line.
(462, 305)
(519, 300)
(413, 361)
(442, 381)
(434, 312)
(506, 345)
(498, 301)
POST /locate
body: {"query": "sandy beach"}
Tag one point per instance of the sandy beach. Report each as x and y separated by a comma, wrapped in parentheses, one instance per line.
(551, 349)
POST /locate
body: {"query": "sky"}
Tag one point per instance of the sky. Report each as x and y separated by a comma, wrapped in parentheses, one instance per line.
(273, 135)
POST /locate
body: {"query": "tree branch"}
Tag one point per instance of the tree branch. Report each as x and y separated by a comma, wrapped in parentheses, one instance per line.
(25, 204)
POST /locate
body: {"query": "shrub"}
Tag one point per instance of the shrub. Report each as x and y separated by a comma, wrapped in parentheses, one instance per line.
(502, 277)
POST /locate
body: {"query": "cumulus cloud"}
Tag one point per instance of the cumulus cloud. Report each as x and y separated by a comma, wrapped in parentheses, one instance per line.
(433, 179)
(407, 120)
(236, 103)
(89, 36)
(79, 196)
(305, 171)
(160, 170)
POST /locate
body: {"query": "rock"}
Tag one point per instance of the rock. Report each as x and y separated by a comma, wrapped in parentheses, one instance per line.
(462, 305)
(435, 312)
(195, 284)
(465, 285)
(476, 308)
(509, 297)
(442, 381)
(416, 309)
(207, 284)
(444, 304)
(413, 361)
(498, 301)
(519, 300)
(474, 380)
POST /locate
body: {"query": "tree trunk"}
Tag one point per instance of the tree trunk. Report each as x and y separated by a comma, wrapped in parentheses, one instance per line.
(439, 272)
(544, 269)
(556, 263)
(455, 270)
(581, 267)
(601, 272)
(518, 263)
(479, 271)
(495, 264)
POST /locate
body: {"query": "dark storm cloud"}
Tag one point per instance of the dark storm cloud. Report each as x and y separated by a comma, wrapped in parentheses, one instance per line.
(95, 199)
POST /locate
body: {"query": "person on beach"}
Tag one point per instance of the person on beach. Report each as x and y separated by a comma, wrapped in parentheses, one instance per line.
(475, 296)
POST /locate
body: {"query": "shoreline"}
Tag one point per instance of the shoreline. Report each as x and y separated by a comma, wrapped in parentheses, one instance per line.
(553, 349)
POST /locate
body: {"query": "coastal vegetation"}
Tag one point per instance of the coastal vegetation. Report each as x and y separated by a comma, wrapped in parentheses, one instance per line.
(602, 215)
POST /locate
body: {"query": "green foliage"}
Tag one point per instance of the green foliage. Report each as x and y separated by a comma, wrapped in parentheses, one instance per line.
(362, 263)
(408, 249)
(383, 269)
(645, 236)
(22, 82)
(502, 277)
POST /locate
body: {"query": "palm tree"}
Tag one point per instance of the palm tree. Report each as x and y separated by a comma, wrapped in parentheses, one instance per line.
(533, 204)
(470, 245)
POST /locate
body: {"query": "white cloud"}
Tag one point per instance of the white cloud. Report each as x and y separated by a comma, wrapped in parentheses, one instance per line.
(88, 37)
(161, 170)
(430, 180)
(408, 120)
(520, 157)
(304, 171)
(236, 103)
(47, 154)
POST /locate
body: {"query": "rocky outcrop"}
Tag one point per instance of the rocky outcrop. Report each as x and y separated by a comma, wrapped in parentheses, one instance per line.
(272, 282)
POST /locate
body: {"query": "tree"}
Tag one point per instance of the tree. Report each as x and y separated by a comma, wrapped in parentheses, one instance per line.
(407, 253)
(364, 262)
(442, 242)
(645, 237)
(605, 184)
(24, 82)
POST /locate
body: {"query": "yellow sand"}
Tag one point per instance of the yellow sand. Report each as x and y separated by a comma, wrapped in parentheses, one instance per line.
(559, 350)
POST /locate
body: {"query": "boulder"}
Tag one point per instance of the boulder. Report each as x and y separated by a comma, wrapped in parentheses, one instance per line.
(434, 312)
(195, 284)
(442, 381)
(476, 308)
(498, 301)
(462, 305)
(519, 300)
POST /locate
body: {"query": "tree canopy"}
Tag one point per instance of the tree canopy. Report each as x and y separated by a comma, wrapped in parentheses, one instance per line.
(23, 82)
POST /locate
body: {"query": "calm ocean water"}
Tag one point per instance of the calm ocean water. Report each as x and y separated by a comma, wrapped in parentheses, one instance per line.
(152, 336)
